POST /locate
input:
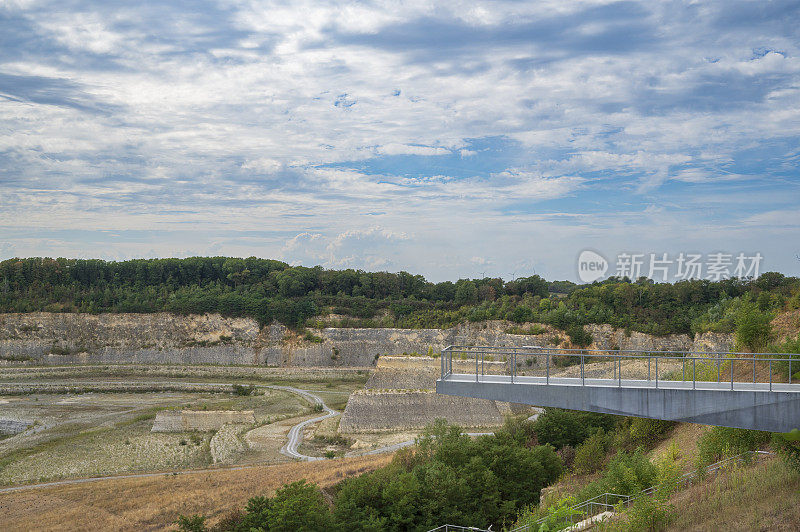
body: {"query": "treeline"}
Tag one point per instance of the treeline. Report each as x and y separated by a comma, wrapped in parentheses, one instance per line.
(269, 290)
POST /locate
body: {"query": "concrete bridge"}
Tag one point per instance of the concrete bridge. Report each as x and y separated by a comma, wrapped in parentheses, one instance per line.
(727, 389)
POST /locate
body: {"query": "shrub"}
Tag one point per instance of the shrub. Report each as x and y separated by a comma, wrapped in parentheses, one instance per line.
(295, 507)
(634, 432)
(579, 336)
(722, 442)
(788, 445)
(192, 523)
(563, 427)
(567, 455)
(787, 366)
(626, 474)
(239, 389)
(558, 516)
(313, 338)
(591, 454)
(647, 513)
(753, 330)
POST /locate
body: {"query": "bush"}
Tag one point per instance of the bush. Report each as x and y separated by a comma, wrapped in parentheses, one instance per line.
(239, 389)
(626, 474)
(639, 431)
(567, 455)
(450, 478)
(753, 329)
(558, 427)
(192, 523)
(295, 507)
(787, 366)
(313, 338)
(579, 336)
(722, 442)
(647, 513)
(591, 454)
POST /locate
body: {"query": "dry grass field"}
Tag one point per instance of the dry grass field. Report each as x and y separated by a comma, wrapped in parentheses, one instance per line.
(154, 503)
(760, 497)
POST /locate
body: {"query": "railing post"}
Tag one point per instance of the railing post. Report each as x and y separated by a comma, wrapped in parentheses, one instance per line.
(754, 368)
(683, 378)
(649, 358)
(583, 380)
(770, 374)
(547, 379)
(694, 373)
(441, 362)
(619, 373)
(513, 365)
(476, 365)
(731, 374)
(656, 372)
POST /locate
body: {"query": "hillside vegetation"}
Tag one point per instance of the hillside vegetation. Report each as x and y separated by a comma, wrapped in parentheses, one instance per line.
(269, 290)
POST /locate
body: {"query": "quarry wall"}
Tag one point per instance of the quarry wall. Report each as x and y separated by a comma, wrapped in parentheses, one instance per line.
(205, 420)
(164, 338)
(369, 411)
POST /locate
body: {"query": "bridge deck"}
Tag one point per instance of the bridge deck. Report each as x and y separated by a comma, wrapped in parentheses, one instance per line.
(734, 399)
(626, 383)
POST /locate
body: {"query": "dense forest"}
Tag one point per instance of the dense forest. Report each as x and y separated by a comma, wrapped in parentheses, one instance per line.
(297, 296)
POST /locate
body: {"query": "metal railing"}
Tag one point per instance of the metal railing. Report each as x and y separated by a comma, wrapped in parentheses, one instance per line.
(599, 504)
(456, 528)
(606, 366)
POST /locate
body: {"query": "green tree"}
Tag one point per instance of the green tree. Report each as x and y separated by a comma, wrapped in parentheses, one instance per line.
(753, 329)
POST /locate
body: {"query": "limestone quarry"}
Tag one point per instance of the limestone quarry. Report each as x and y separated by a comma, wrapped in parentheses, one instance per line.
(162, 338)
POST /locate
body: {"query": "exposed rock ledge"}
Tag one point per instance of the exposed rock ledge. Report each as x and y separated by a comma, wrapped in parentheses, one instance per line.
(212, 339)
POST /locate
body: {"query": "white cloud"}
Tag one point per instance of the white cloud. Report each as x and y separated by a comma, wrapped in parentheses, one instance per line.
(155, 118)
(404, 149)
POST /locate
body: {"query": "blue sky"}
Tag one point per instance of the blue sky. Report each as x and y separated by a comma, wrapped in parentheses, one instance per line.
(452, 139)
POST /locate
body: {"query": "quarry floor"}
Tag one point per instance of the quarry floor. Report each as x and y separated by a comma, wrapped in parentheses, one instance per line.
(93, 434)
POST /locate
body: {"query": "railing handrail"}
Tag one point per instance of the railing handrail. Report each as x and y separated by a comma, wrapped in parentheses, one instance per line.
(610, 353)
(513, 354)
(627, 499)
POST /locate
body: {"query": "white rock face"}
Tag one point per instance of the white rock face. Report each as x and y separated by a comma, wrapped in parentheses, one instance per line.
(9, 427)
(202, 420)
(212, 339)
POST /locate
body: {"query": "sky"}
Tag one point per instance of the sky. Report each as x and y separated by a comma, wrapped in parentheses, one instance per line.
(451, 139)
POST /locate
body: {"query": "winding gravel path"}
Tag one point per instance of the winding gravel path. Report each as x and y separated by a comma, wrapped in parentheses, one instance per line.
(295, 436)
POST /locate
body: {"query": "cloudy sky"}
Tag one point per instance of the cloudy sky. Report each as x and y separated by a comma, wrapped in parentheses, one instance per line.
(453, 139)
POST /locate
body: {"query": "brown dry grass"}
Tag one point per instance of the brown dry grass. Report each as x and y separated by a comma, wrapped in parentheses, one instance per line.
(761, 497)
(786, 325)
(685, 436)
(154, 503)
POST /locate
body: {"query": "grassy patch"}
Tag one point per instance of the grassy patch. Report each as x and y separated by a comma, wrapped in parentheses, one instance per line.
(760, 497)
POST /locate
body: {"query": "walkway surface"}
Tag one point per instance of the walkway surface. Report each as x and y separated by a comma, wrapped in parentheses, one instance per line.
(628, 383)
